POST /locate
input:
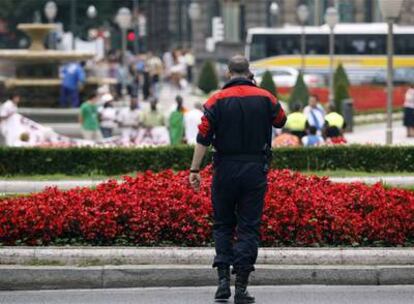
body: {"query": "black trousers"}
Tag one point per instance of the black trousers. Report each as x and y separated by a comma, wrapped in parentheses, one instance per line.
(238, 192)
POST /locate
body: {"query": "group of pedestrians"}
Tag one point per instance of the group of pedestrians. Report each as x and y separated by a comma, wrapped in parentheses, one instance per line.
(100, 118)
(312, 126)
(143, 74)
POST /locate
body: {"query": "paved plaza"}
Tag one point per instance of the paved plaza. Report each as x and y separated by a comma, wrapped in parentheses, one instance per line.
(201, 295)
(375, 134)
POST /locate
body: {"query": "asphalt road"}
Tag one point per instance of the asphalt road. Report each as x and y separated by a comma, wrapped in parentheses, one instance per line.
(200, 295)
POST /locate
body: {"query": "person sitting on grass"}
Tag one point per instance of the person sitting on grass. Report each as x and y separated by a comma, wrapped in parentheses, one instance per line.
(312, 139)
(296, 121)
(286, 139)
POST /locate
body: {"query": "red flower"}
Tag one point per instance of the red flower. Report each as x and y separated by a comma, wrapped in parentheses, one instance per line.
(161, 208)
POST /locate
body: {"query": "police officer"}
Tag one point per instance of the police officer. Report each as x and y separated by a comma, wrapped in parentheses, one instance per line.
(334, 123)
(296, 121)
(238, 122)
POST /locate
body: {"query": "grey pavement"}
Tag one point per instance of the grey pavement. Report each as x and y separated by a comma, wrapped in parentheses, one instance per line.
(16, 277)
(29, 186)
(301, 294)
(375, 134)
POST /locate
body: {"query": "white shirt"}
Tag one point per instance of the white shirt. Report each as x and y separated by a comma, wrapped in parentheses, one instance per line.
(192, 119)
(306, 143)
(189, 59)
(108, 117)
(409, 98)
(315, 116)
(128, 118)
(10, 124)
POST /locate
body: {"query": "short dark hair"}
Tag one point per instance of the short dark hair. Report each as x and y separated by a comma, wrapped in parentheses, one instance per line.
(239, 65)
(178, 98)
(297, 106)
(13, 94)
(315, 96)
(312, 130)
(332, 108)
(92, 95)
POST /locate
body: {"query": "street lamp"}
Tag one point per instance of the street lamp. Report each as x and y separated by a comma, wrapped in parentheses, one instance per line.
(92, 12)
(303, 15)
(331, 19)
(274, 10)
(194, 12)
(123, 19)
(390, 10)
(50, 11)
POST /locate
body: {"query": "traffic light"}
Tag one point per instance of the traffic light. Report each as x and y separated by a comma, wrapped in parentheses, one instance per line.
(131, 36)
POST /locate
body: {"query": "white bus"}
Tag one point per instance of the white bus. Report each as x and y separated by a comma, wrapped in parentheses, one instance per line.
(360, 47)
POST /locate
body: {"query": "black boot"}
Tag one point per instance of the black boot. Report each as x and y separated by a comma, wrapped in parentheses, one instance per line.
(223, 291)
(242, 296)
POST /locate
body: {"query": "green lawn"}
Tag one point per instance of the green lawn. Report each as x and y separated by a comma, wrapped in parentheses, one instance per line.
(59, 177)
(348, 173)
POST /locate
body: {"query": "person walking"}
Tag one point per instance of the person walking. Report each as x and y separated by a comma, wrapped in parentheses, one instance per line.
(409, 111)
(192, 119)
(88, 119)
(176, 122)
(238, 122)
(190, 62)
(155, 69)
(73, 78)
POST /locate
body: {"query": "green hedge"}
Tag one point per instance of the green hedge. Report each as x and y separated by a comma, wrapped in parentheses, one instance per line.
(74, 161)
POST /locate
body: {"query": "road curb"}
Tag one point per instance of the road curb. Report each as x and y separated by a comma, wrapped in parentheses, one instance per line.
(14, 277)
(201, 256)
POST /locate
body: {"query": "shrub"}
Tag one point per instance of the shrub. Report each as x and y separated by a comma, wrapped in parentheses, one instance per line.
(300, 92)
(208, 80)
(341, 87)
(111, 161)
(268, 84)
(340, 75)
(156, 209)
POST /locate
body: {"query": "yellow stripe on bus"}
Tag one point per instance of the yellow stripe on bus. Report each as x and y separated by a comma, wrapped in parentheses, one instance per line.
(323, 61)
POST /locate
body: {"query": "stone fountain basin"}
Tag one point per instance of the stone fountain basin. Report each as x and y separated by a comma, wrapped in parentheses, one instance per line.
(44, 55)
(54, 82)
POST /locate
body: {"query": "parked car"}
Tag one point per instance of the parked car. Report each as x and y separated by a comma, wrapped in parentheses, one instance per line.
(286, 77)
(401, 77)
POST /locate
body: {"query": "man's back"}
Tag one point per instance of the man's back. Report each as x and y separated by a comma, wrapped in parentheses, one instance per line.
(238, 121)
(239, 118)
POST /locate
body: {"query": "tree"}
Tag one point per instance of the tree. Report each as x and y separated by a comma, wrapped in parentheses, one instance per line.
(208, 80)
(300, 92)
(268, 84)
(340, 75)
(341, 87)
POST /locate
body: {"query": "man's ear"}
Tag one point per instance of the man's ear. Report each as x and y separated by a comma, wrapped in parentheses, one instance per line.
(228, 74)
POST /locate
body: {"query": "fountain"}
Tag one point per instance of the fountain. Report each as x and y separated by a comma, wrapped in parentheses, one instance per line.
(35, 71)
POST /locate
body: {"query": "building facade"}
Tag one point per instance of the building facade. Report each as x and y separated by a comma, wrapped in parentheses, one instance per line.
(237, 16)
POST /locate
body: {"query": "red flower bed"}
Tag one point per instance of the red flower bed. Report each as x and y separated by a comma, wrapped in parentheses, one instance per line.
(156, 209)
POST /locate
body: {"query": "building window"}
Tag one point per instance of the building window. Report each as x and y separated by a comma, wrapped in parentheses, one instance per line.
(317, 9)
(231, 12)
(346, 11)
